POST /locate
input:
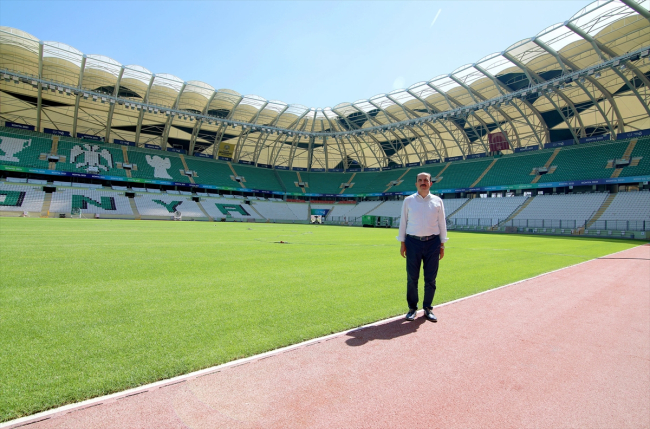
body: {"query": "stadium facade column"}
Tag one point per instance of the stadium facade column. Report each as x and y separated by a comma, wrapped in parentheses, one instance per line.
(39, 100)
(501, 87)
(240, 142)
(170, 119)
(275, 153)
(477, 97)
(401, 152)
(199, 123)
(310, 145)
(342, 151)
(111, 108)
(603, 52)
(371, 120)
(296, 141)
(410, 114)
(141, 115)
(564, 63)
(350, 126)
(78, 98)
(534, 77)
(258, 147)
(451, 100)
(222, 131)
(431, 109)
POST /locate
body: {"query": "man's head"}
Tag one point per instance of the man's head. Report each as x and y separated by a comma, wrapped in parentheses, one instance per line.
(423, 183)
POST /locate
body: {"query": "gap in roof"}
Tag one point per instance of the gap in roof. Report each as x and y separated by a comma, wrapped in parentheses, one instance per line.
(312, 53)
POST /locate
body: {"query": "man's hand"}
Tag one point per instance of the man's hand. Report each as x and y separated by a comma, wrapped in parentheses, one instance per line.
(402, 250)
(442, 252)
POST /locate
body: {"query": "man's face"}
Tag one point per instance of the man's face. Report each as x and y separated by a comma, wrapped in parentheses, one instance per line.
(423, 183)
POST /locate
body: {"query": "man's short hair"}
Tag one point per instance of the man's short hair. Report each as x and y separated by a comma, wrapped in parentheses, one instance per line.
(428, 174)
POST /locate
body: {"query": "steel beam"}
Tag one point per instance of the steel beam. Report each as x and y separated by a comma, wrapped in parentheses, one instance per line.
(141, 115)
(111, 108)
(501, 87)
(170, 120)
(39, 101)
(79, 95)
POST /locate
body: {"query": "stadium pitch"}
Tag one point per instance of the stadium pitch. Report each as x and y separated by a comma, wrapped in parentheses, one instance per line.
(91, 307)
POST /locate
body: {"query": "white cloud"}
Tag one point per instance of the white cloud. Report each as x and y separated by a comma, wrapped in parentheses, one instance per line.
(434, 19)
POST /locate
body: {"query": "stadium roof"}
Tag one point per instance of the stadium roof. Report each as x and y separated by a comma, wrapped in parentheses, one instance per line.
(585, 77)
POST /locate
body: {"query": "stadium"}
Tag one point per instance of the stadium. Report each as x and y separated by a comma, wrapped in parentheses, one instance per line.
(541, 146)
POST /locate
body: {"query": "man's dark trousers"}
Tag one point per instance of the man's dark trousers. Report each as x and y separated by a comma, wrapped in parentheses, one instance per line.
(419, 253)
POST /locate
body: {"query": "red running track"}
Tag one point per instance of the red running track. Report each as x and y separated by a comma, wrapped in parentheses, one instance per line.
(566, 349)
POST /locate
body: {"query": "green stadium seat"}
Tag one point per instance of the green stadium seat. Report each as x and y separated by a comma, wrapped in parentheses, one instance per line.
(24, 148)
(83, 155)
(157, 165)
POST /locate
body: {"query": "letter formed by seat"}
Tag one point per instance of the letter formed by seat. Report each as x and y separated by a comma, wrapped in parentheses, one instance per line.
(10, 146)
(160, 165)
(92, 157)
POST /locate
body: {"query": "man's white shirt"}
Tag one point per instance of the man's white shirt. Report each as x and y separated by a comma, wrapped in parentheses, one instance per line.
(423, 217)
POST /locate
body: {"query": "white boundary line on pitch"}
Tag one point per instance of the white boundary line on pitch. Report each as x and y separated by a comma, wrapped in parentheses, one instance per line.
(22, 421)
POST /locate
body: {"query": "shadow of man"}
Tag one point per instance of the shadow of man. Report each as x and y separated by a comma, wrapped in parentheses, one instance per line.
(387, 331)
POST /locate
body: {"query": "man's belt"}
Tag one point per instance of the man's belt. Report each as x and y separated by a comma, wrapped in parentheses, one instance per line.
(427, 238)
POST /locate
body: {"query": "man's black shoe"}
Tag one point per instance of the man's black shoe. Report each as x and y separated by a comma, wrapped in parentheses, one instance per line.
(410, 316)
(429, 315)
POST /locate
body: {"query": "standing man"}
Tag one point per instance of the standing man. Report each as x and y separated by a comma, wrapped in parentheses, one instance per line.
(423, 233)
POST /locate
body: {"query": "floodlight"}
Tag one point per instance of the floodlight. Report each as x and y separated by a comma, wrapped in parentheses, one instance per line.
(597, 75)
(644, 53)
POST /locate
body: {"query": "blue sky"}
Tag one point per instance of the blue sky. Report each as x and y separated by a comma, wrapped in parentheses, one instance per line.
(313, 53)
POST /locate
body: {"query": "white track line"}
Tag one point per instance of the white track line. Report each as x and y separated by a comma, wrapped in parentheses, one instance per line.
(181, 378)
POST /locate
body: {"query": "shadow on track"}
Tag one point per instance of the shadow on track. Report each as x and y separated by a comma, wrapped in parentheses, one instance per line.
(387, 331)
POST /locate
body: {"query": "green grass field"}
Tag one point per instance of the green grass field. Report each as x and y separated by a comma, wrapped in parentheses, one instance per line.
(90, 307)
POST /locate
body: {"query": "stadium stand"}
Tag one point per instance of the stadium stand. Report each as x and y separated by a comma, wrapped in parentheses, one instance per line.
(340, 211)
(90, 157)
(300, 210)
(371, 182)
(90, 201)
(487, 211)
(17, 198)
(163, 205)
(279, 210)
(515, 169)
(625, 211)
(407, 178)
(640, 159)
(157, 165)
(460, 174)
(360, 209)
(257, 178)
(219, 208)
(24, 148)
(560, 211)
(320, 183)
(586, 161)
(387, 208)
(211, 172)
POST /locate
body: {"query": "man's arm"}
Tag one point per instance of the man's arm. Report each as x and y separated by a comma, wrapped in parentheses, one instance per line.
(401, 235)
(442, 224)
